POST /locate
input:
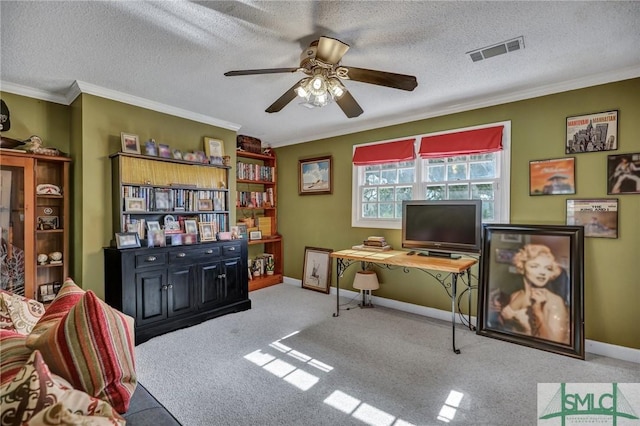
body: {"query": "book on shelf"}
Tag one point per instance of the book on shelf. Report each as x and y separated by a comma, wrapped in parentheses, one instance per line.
(374, 243)
(374, 238)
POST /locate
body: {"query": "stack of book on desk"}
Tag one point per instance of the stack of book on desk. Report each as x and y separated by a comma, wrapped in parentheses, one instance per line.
(373, 244)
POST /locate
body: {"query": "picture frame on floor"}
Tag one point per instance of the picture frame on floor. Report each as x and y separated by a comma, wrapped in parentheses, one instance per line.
(316, 271)
(537, 299)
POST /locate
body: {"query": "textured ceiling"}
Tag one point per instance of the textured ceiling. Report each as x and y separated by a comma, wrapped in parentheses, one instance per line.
(171, 56)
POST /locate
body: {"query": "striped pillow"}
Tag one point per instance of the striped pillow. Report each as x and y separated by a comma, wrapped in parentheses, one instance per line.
(92, 346)
(27, 397)
(66, 298)
(13, 354)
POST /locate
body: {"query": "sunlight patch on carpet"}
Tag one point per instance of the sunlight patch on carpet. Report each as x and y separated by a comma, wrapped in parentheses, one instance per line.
(450, 406)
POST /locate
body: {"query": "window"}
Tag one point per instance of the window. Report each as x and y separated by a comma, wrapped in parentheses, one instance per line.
(379, 189)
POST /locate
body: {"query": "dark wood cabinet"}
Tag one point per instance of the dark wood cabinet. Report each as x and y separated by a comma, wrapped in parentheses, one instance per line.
(168, 288)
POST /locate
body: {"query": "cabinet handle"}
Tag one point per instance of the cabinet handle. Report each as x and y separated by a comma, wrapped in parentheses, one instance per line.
(164, 287)
(151, 259)
(221, 276)
(181, 254)
(232, 249)
(209, 251)
(170, 285)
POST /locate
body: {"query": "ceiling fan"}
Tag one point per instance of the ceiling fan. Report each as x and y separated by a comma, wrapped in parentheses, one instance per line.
(321, 64)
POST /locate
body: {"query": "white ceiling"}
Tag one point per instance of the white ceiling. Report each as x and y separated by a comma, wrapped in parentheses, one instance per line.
(171, 56)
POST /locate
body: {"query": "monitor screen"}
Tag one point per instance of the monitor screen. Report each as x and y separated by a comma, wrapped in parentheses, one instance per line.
(442, 226)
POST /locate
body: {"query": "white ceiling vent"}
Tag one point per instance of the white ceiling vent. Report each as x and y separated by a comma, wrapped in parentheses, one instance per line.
(497, 49)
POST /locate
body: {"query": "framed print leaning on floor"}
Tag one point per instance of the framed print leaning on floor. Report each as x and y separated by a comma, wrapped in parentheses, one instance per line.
(534, 295)
(316, 272)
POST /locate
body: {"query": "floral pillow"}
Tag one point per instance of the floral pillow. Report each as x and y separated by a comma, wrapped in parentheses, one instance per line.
(35, 389)
(24, 312)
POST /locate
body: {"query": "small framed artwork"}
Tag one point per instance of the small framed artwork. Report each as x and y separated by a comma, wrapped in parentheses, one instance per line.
(162, 199)
(134, 204)
(48, 222)
(176, 239)
(207, 231)
(534, 295)
(205, 204)
(200, 156)
(190, 226)
(242, 230)
(130, 143)
(189, 238)
(171, 225)
(151, 148)
(176, 154)
(127, 240)
(550, 177)
(623, 174)
(153, 225)
(599, 217)
(213, 147)
(255, 235)
(164, 151)
(157, 238)
(592, 132)
(315, 176)
(316, 272)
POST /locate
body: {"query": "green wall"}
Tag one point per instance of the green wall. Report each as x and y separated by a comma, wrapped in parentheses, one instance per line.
(612, 288)
(90, 130)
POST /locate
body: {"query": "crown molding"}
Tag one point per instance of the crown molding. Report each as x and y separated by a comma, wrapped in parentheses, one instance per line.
(488, 101)
(80, 87)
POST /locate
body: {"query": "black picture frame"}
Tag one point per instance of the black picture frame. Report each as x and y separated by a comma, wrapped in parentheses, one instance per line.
(623, 174)
(509, 303)
(553, 176)
(315, 176)
(598, 216)
(592, 132)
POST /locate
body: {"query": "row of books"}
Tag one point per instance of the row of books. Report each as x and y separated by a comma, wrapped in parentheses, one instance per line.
(255, 199)
(257, 172)
(373, 243)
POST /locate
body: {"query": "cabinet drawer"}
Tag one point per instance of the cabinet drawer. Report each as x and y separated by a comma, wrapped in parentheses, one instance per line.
(151, 259)
(229, 250)
(209, 251)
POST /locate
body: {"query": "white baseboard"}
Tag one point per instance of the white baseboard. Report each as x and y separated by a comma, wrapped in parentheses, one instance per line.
(591, 346)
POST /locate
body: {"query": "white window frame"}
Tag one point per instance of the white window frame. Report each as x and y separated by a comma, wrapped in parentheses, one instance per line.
(502, 195)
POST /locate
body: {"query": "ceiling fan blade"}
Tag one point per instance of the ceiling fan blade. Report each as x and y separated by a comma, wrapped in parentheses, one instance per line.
(283, 100)
(331, 50)
(263, 71)
(382, 78)
(348, 105)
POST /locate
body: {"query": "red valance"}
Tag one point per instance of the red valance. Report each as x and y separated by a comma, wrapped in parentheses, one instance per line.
(468, 142)
(382, 153)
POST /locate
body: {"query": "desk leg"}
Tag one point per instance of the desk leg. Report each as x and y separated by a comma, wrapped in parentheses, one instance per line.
(454, 282)
(339, 270)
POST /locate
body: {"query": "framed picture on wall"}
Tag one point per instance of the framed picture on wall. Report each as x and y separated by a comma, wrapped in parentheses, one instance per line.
(533, 294)
(592, 132)
(623, 174)
(551, 177)
(315, 176)
(599, 217)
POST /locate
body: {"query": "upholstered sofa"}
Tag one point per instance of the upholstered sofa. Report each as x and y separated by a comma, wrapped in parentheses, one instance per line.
(71, 363)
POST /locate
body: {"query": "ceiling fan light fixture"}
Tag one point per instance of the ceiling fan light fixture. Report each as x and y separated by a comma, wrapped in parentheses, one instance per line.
(336, 88)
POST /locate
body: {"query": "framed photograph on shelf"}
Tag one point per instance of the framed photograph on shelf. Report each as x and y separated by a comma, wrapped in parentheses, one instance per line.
(205, 204)
(315, 176)
(255, 235)
(164, 151)
(316, 272)
(130, 143)
(125, 240)
(134, 204)
(190, 226)
(537, 298)
(162, 199)
(207, 231)
(153, 225)
(48, 222)
(551, 177)
(623, 174)
(592, 132)
(213, 147)
(151, 148)
(176, 154)
(157, 238)
(599, 217)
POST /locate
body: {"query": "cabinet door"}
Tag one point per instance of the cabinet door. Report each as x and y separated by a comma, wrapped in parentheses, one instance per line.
(151, 296)
(180, 296)
(233, 284)
(211, 292)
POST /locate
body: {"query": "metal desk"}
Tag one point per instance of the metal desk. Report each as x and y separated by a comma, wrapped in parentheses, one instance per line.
(433, 266)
